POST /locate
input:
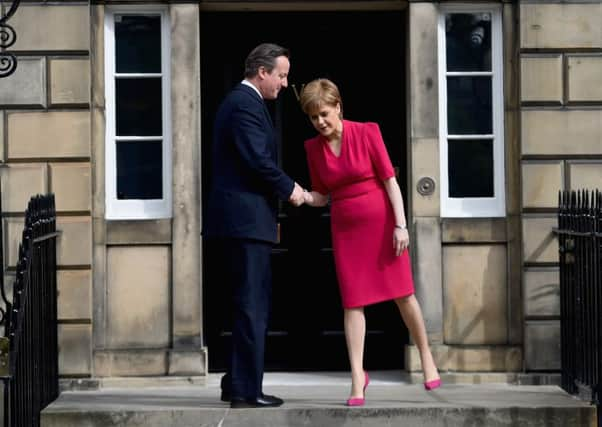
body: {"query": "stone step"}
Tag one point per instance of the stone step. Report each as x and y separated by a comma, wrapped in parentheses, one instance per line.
(317, 400)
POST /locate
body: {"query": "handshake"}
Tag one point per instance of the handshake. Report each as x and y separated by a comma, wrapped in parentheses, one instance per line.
(300, 196)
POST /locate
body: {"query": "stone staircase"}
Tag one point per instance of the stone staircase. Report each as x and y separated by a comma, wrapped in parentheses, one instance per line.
(317, 400)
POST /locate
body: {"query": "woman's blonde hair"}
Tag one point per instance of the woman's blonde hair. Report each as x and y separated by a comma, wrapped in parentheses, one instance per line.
(320, 92)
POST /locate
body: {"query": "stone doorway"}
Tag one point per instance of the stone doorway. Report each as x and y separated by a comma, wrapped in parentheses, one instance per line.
(364, 53)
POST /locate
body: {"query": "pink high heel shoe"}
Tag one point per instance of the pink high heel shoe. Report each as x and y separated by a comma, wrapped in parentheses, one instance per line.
(359, 401)
(433, 384)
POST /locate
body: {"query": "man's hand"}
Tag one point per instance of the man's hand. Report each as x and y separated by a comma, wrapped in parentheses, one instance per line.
(296, 198)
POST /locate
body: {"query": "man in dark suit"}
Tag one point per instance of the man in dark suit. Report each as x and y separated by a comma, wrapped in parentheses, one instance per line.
(241, 215)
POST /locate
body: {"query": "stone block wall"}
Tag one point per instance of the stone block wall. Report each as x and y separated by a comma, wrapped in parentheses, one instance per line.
(45, 147)
(467, 274)
(129, 291)
(147, 295)
(561, 148)
(52, 139)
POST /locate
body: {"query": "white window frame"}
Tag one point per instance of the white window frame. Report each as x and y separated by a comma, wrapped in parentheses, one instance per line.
(137, 208)
(467, 207)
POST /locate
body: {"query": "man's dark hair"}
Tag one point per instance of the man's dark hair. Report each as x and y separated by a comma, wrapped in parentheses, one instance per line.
(265, 56)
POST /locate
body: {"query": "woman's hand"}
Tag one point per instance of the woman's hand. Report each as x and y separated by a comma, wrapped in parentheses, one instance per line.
(401, 240)
(315, 199)
(308, 197)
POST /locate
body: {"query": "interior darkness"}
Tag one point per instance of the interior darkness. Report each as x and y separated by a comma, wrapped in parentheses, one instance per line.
(364, 54)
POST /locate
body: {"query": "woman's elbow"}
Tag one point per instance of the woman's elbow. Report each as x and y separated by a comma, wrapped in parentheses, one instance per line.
(390, 182)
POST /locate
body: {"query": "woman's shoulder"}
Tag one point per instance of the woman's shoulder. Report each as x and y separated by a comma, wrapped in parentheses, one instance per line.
(363, 131)
(362, 126)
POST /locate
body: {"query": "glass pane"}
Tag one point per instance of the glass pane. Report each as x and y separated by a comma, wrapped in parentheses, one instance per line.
(138, 105)
(468, 41)
(139, 170)
(469, 108)
(470, 168)
(138, 44)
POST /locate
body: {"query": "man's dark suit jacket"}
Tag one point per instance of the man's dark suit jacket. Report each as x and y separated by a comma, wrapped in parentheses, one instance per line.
(246, 181)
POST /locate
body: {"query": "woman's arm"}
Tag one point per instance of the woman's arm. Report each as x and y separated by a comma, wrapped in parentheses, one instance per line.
(315, 199)
(401, 237)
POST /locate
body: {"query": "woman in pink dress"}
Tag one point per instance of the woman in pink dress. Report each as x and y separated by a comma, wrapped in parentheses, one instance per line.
(348, 162)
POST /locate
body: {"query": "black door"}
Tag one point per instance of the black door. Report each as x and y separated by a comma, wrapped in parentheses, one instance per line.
(364, 53)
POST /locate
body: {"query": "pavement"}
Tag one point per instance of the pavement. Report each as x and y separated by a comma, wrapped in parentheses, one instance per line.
(317, 399)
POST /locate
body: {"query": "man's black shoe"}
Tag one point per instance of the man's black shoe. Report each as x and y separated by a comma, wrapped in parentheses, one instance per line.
(265, 401)
(226, 397)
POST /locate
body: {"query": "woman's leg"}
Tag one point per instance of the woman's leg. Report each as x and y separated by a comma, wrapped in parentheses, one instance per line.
(355, 332)
(412, 316)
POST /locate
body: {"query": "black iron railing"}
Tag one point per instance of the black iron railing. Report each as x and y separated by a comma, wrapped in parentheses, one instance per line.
(580, 255)
(28, 350)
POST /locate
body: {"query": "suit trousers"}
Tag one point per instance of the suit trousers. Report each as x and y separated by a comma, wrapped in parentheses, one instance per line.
(249, 276)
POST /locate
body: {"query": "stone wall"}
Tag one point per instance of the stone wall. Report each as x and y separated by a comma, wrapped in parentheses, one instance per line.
(45, 147)
(143, 314)
(148, 296)
(561, 148)
(467, 272)
(129, 291)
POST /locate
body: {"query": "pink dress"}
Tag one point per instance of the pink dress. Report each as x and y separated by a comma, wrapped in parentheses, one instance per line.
(362, 218)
